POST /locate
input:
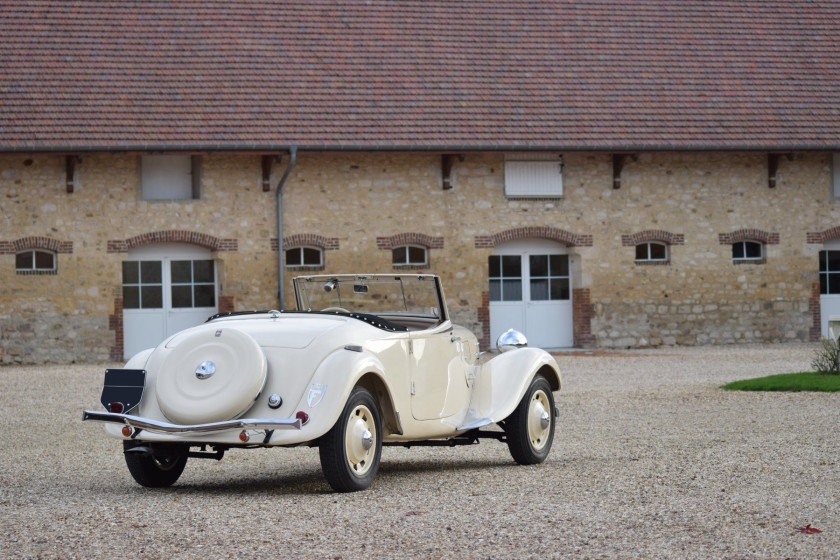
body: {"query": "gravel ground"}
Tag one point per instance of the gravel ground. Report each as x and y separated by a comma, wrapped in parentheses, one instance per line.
(650, 460)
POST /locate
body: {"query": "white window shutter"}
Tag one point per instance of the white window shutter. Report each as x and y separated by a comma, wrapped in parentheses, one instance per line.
(533, 179)
(166, 177)
(835, 176)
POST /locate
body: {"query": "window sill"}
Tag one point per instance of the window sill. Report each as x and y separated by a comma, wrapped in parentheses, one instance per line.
(36, 272)
(652, 263)
(748, 261)
(296, 268)
(411, 266)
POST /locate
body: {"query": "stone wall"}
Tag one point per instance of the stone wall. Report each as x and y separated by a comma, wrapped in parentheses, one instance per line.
(357, 202)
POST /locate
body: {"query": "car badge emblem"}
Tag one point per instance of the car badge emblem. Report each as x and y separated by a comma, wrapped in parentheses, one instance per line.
(218, 333)
(316, 393)
(205, 369)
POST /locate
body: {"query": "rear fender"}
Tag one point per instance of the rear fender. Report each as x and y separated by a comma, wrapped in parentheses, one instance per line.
(502, 382)
(138, 360)
(334, 379)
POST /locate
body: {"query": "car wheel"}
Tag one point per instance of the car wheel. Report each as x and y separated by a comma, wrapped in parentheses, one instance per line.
(155, 471)
(350, 451)
(529, 429)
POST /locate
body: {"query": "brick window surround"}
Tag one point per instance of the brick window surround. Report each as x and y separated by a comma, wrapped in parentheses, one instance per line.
(306, 240)
(652, 235)
(25, 243)
(427, 241)
(562, 236)
(410, 238)
(818, 237)
(54, 246)
(173, 236)
(765, 237)
(582, 312)
(824, 236)
(115, 321)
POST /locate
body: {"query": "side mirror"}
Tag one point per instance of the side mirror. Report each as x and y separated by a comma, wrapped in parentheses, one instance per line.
(511, 340)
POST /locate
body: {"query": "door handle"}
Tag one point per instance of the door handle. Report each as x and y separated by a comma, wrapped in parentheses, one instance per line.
(455, 339)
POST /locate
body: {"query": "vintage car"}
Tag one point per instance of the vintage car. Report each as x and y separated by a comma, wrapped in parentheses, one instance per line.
(367, 361)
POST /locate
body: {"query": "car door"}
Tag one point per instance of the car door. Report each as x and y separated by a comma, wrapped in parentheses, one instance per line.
(438, 373)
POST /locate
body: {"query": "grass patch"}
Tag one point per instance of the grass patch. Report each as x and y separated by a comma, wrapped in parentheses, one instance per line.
(805, 381)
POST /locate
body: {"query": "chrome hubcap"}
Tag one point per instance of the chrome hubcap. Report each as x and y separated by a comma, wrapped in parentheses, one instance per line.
(359, 438)
(545, 420)
(205, 369)
(539, 420)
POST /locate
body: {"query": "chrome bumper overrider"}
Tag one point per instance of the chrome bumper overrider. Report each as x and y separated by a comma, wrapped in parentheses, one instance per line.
(166, 428)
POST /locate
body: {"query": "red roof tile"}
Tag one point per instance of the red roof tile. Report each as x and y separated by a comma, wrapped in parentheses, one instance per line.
(427, 74)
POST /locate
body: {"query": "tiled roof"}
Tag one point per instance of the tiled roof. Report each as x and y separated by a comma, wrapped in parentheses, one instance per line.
(424, 74)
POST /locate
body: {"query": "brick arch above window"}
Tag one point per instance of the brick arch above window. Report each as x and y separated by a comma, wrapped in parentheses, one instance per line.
(829, 234)
(766, 237)
(173, 236)
(653, 236)
(409, 238)
(534, 232)
(307, 240)
(25, 243)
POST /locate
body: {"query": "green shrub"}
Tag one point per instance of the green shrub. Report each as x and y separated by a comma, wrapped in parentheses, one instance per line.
(827, 359)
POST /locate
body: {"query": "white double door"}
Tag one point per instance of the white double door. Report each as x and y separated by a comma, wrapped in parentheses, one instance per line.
(531, 292)
(166, 288)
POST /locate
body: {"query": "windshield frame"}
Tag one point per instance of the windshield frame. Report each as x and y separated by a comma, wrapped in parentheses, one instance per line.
(300, 282)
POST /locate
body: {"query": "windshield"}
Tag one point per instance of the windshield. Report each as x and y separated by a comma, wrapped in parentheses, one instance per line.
(377, 294)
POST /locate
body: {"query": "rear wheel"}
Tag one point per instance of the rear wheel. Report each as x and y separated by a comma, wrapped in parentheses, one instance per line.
(351, 450)
(530, 428)
(155, 470)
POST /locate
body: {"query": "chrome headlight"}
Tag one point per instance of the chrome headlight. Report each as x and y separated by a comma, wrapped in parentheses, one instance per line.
(511, 340)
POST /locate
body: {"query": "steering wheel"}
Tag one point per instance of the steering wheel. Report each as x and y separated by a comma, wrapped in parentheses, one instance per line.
(338, 309)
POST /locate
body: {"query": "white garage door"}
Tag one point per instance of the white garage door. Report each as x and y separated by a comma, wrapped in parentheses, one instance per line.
(166, 288)
(830, 289)
(531, 291)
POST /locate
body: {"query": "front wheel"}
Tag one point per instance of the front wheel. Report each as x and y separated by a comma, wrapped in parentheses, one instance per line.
(157, 470)
(530, 428)
(350, 451)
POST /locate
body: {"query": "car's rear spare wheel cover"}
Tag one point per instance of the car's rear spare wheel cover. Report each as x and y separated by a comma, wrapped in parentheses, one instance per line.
(210, 376)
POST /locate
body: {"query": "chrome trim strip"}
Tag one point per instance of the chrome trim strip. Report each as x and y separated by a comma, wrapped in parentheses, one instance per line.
(166, 428)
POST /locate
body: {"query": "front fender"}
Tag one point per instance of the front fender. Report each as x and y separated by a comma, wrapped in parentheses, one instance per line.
(502, 381)
(336, 376)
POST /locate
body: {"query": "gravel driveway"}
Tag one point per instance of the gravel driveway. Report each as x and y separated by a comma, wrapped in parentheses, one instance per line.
(650, 460)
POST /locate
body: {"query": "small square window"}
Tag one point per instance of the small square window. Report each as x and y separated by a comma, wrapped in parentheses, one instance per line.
(35, 261)
(651, 252)
(305, 256)
(409, 255)
(747, 251)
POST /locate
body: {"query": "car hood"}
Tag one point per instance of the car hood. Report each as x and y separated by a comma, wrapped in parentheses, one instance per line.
(287, 331)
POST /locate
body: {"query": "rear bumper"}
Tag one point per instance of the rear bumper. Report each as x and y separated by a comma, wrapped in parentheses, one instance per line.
(212, 427)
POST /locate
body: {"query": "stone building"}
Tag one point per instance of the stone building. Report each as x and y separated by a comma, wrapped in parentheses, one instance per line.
(592, 174)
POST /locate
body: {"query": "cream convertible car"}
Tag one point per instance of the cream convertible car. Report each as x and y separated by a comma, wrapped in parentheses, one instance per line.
(371, 360)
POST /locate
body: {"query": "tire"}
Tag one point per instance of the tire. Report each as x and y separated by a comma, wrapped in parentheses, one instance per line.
(529, 437)
(351, 450)
(155, 471)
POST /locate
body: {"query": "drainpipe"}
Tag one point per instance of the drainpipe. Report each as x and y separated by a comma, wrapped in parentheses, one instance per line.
(280, 268)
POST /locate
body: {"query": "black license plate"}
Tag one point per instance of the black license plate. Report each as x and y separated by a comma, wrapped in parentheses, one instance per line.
(123, 389)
